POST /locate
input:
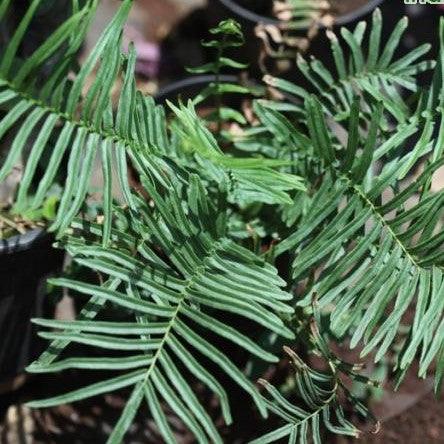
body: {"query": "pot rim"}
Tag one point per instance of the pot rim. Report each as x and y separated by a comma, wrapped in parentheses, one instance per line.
(22, 242)
(189, 82)
(257, 18)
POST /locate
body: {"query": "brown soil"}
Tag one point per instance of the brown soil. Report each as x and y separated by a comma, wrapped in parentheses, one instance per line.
(421, 424)
(92, 420)
(342, 7)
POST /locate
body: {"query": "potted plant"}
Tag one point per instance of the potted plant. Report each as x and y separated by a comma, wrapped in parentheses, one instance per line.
(292, 27)
(316, 227)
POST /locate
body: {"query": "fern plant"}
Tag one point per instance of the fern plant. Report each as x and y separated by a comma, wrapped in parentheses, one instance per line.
(186, 284)
(228, 34)
(383, 254)
(89, 128)
(321, 399)
(374, 74)
(318, 224)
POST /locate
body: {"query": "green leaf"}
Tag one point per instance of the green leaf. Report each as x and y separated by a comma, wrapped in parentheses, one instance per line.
(98, 388)
(128, 415)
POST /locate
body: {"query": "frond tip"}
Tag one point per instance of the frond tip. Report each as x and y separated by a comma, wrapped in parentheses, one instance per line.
(319, 406)
(376, 74)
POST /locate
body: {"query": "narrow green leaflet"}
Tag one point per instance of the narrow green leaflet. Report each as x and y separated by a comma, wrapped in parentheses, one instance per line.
(205, 276)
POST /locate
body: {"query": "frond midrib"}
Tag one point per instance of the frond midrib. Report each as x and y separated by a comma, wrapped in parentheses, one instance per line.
(183, 297)
(78, 123)
(364, 74)
(352, 79)
(295, 425)
(357, 190)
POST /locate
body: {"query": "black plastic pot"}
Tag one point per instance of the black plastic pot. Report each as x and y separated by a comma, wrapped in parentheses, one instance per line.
(25, 263)
(254, 17)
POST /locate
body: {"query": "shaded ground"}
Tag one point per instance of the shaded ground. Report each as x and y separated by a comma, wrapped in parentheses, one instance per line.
(418, 418)
(421, 424)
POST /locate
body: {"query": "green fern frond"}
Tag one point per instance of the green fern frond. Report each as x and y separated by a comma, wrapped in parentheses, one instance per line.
(228, 35)
(205, 274)
(248, 179)
(347, 169)
(378, 254)
(373, 74)
(51, 110)
(320, 395)
(84, 125)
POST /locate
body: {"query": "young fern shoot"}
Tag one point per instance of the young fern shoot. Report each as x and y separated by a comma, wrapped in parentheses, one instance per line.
(228, 34)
